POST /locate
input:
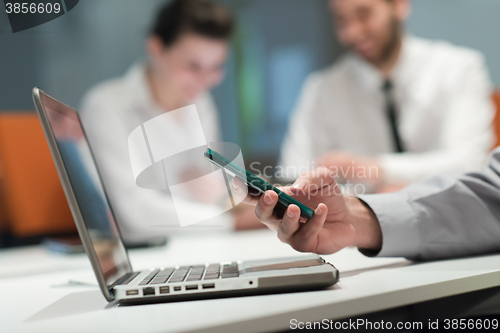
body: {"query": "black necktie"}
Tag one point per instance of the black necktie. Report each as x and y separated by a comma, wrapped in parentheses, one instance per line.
(392, 116)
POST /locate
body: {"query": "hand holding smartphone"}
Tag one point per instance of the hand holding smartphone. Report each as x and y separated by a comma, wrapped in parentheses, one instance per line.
(256, 183)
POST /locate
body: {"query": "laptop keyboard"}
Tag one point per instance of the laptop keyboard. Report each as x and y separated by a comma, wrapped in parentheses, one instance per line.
(191, 273)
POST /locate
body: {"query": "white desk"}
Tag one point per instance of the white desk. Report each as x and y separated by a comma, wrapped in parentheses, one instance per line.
(39, 299)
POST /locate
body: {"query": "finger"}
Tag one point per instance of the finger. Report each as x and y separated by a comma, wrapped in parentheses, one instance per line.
(319, 176)
(289, 224)
(331, 159)
(324, 161)
(306, 239)
(319, 179)
(265, 207)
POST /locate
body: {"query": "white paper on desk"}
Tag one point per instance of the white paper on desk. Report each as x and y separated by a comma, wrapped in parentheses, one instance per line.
(83, 280)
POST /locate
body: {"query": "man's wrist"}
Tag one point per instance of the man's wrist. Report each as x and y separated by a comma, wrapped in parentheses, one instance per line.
(366, 224)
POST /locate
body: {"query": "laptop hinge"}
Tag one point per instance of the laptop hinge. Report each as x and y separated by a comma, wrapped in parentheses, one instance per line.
(125, 279)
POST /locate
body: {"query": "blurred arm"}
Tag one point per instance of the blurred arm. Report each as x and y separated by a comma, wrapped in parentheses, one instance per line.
(305, 138)
(139, 211)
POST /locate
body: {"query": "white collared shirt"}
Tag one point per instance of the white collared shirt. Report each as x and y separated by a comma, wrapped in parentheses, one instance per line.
(443, 97)
(110, 112)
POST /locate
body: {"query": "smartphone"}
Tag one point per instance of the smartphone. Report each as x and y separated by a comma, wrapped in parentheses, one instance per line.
(254, 182)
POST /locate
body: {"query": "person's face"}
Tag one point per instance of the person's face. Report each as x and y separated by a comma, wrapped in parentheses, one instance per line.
(371, 28)
(193, 64)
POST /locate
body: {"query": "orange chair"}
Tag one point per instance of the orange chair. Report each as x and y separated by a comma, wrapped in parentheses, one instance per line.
(496, 100)
(34, 204)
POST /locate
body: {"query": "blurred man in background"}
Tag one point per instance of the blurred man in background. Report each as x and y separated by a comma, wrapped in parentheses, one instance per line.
(395, 108)
(187, 49)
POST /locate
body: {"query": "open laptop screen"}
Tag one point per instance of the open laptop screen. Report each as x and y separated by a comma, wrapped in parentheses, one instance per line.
(86, 185)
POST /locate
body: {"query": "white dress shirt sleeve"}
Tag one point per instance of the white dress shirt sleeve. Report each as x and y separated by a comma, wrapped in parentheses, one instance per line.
(442, 216)
(305, 137)
(209, 118)
(466, 137)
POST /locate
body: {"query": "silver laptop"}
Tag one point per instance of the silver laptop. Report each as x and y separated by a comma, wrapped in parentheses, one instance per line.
(103, 244)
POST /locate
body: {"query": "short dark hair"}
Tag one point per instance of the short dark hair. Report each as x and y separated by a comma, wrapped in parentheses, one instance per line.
(201, 17)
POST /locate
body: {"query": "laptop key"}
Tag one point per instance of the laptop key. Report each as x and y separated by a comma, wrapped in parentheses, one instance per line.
(153, 273)
(196, 273)
(230, 271)
(212, 275)
(230, 275)
(149, 277)
(172, 280)
(158, 280)
(166, 272)
(178, 277)
(193, 277)
(202, 267)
